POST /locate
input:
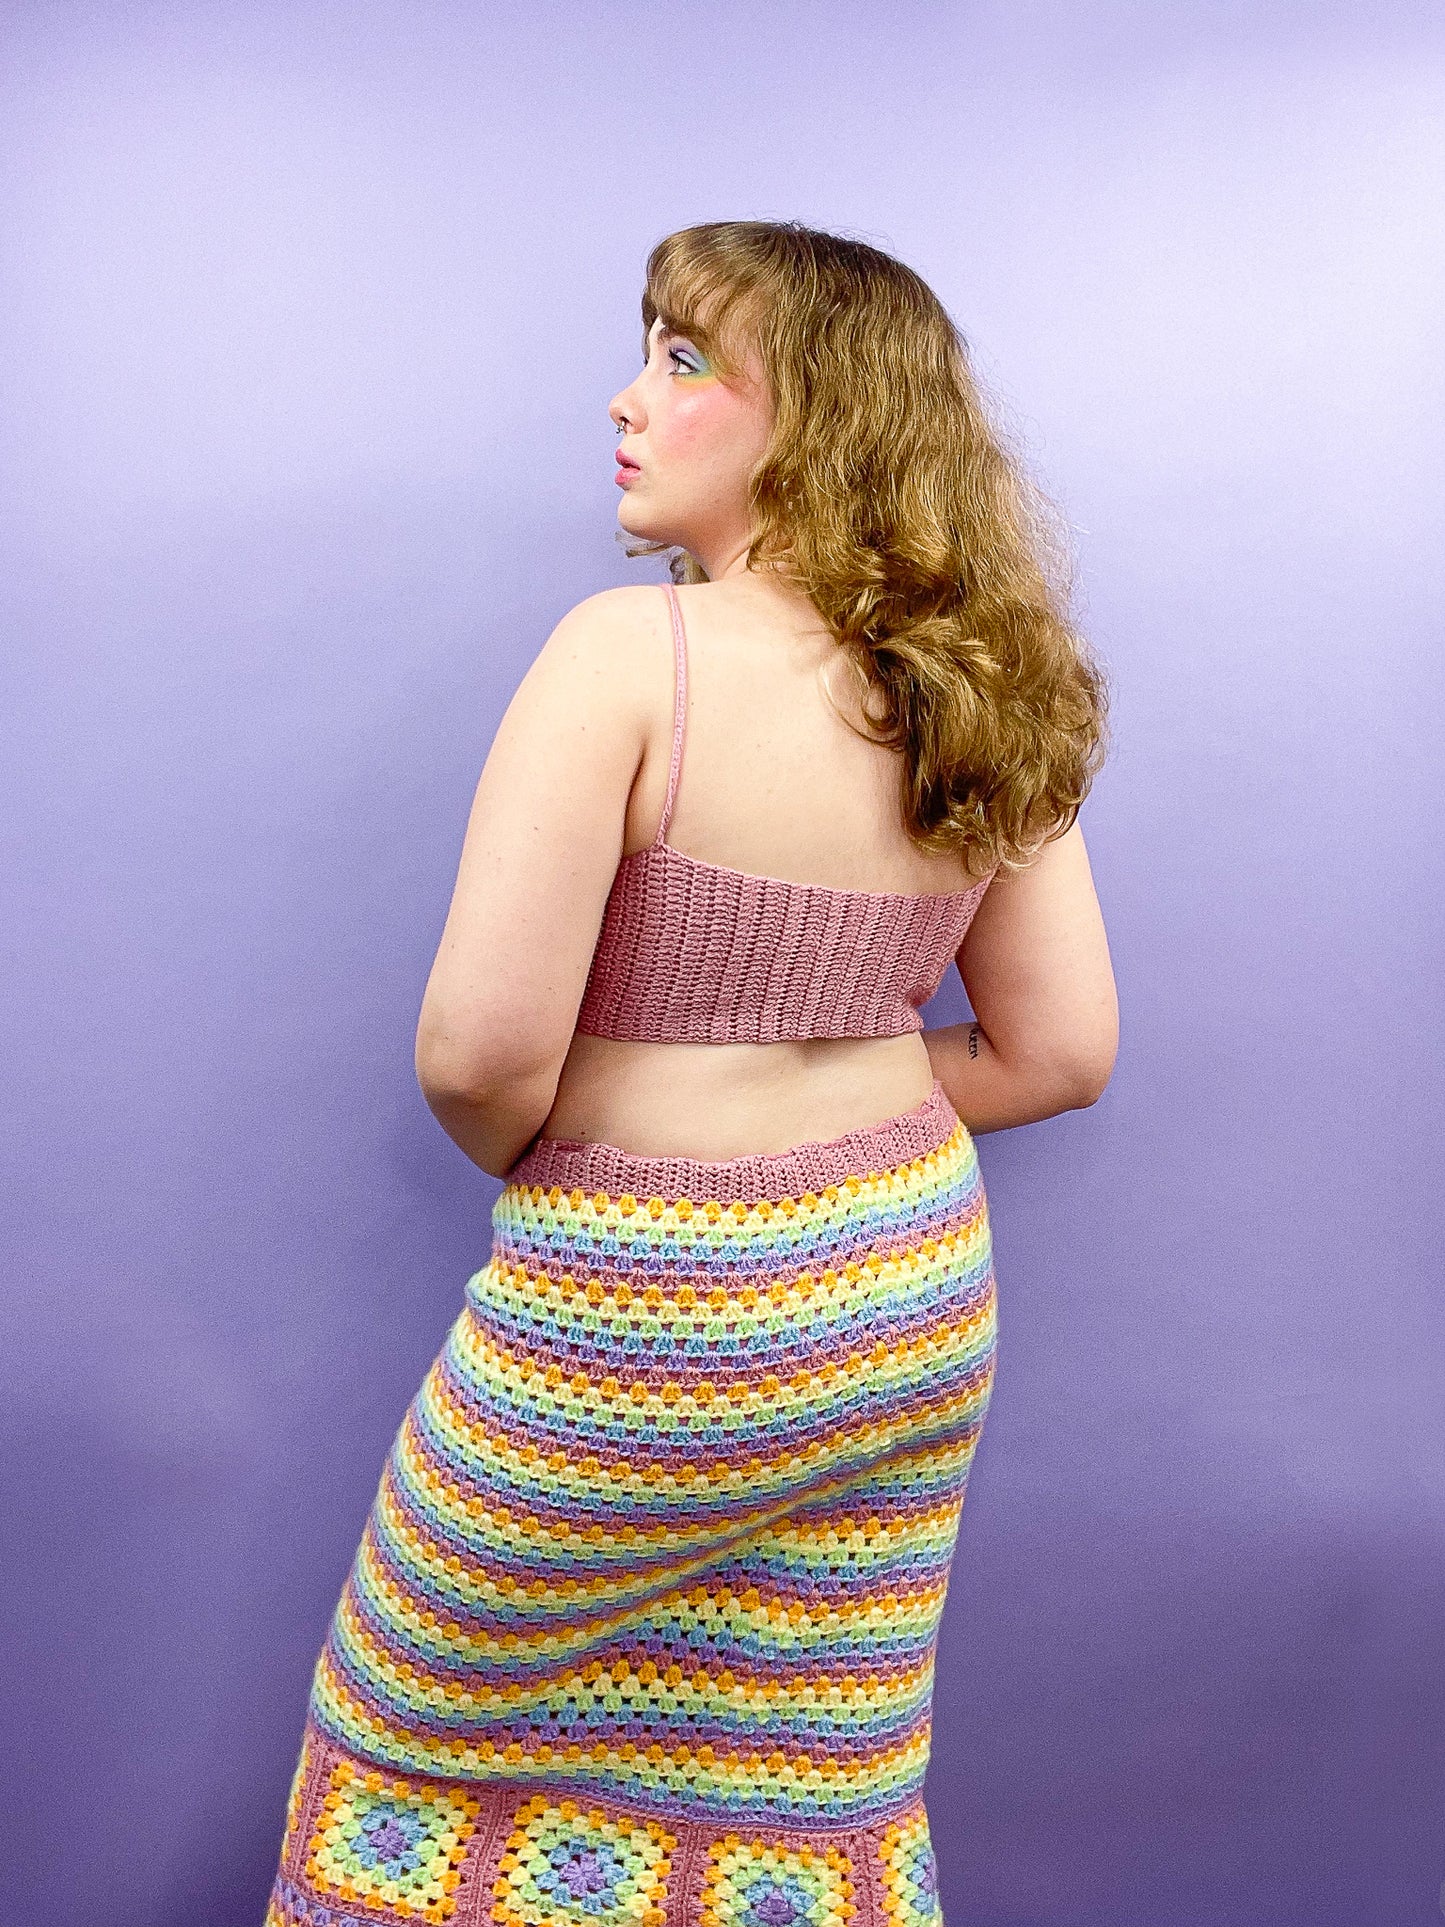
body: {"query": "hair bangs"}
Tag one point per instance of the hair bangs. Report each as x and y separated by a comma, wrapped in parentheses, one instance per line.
(700, 289)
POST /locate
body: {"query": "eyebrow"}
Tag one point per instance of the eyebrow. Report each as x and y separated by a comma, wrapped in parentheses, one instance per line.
(668, 331)
(671, 330)
(665, 334)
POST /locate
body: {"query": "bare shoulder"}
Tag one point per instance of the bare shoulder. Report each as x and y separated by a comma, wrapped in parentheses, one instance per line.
(611, 640)
(623, 619)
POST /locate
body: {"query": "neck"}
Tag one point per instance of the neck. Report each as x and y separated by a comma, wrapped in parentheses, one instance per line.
(724, 559)
(728, 562)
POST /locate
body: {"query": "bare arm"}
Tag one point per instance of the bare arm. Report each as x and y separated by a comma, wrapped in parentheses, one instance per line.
(542, 846)
(1035, 964)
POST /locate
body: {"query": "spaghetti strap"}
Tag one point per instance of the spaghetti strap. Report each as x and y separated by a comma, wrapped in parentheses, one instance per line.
(679, 708)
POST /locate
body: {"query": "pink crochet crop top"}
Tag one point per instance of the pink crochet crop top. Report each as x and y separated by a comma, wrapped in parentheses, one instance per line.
(693, 952)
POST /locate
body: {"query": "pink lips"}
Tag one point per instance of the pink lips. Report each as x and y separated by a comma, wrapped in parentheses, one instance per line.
(626, 469)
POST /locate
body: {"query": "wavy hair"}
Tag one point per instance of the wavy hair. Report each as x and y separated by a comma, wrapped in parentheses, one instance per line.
(889, 497)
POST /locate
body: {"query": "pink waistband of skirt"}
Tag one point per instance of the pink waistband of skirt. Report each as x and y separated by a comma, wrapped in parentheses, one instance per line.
(579, 1166)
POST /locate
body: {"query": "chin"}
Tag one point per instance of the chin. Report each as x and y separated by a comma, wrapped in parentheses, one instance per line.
(633, 517)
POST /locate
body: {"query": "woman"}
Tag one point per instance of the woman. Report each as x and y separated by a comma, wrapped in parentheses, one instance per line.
(642, 1625)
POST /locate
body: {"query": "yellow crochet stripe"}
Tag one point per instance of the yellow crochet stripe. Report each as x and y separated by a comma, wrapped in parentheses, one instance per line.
(671, 1516)
(746, 1698)
(516, 1280)
(957, 1149)
(645, 1224)
(741, 1614)
(735, 1768)
(430, 1627)
(498, 1372)
(686, 1549)
(804, 1397)
(903, 1614)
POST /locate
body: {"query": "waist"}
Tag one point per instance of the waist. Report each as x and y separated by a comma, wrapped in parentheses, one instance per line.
(713, 1102)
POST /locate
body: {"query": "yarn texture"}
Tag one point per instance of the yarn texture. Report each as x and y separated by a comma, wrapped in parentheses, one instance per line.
(643, 1621)
(694, 952)
(642, 1625)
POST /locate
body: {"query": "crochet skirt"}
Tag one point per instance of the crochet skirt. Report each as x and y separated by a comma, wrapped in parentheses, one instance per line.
(641, 1629)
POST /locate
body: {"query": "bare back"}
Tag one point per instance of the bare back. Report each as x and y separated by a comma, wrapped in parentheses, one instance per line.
(775, 783)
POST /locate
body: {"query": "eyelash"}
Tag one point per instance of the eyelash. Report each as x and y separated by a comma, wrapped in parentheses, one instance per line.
(679, 355)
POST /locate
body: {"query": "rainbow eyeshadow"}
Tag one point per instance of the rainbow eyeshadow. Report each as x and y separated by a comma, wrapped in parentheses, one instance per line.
(704, 370)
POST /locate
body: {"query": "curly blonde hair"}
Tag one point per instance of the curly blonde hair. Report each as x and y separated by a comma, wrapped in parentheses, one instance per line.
(887, 495)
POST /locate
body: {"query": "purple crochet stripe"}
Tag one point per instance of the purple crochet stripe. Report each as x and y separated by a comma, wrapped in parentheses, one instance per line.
(577, 1166)
(669, 1483)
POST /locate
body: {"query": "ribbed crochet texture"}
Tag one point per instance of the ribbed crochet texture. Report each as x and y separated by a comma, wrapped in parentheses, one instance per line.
(643, 1621)
(696, 952)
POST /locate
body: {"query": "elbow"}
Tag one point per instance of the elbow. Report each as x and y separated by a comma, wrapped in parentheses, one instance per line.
(1085, 1091)
(1089, 1057)
(447, 1083)
(453, 1077)
(453, 1058)
(448, 1076)
(442, 1087)
(434, 1052)
(1086, 1081)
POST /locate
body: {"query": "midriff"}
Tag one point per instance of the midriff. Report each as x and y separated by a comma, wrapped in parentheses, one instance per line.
(727, 1100)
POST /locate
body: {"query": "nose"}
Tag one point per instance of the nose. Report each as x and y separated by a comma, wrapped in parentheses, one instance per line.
(625, 408)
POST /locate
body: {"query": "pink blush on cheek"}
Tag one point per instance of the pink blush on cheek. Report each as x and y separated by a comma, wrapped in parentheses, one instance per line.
(707, 417)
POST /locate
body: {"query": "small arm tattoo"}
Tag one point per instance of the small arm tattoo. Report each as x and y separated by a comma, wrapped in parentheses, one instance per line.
(973, 1040)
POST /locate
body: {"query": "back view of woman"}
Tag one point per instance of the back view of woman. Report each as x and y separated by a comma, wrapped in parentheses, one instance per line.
(642, 1625)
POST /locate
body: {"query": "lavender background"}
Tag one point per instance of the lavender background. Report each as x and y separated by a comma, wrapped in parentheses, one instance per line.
(310, 314)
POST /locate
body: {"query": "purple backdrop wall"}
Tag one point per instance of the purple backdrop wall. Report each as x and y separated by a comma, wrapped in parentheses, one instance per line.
(310, 313)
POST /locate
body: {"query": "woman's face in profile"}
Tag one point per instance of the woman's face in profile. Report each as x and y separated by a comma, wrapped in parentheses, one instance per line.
(689, 444)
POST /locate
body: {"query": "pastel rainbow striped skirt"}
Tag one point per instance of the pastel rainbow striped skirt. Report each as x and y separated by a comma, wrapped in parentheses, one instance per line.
(641, 1629)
